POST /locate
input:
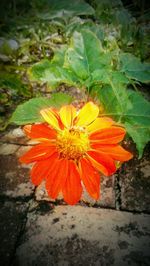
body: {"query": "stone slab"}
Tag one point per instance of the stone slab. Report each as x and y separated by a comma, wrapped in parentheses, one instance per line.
(14, 176)
(15, 135)
(84, 236)
(7, 149)
(107, 194)
(135, 184)
(12, 219)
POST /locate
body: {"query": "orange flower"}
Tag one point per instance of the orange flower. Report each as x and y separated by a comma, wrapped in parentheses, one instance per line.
(73, 147)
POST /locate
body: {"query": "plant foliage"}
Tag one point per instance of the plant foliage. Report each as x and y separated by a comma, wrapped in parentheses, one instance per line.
(98, 46)
(29, 112)
(101, 71)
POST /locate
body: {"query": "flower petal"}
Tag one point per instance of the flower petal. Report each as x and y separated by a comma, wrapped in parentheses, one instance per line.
(116, 152)
(72, 189)
(41, 169)
(51, 117)
(39, 131)
(67, 114)
(111, 135)
(100, 123)
(38, 152)
(56, 180)
(87, 114)
(102, 162)
(90, 178)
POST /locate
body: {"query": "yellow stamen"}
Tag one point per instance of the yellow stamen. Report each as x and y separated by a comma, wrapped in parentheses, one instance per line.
(72, 143)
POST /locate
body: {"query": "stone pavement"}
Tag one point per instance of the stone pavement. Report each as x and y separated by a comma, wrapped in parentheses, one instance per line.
(36, 230)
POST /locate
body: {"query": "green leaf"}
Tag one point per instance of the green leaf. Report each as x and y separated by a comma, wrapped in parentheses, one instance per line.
(80, 57)
(59, 99)
(101, 75)
(139, 110)
(130, 62)
(52, 74)
(123, 17)
(37, 71)
(105, 74)
(134, 114)
(114, 79)
(137, 121)
(59, 54)
(140, 135)
(118, 77)
(110, 101)
(65, 8)
(78, 24)
(142, 76)
(29, 112)
(134, 69)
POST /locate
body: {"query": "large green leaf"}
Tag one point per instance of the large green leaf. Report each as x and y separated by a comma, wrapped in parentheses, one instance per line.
(65, 8)
(59, 99)
(111, 103)
(134, 114)
(101, 75)
(137, 120)
(84, 54)
(113, 79)
(134, 69)
(78, 24)
(139, 110)
(59, 54)
(37, 71)
(52, 74)
(107, 75)
(139, 134)
(119, 78)
(29, 112)
(57, 75)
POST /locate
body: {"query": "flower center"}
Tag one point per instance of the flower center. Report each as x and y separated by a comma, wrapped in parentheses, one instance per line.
(72, 143)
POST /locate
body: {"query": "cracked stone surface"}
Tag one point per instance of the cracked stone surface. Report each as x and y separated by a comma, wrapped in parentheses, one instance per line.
(135, 184)
(14, 177)
(12, 218)
(78, 235)
(8, 149)
(84, 236)
(107, 192)
(15, 135)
